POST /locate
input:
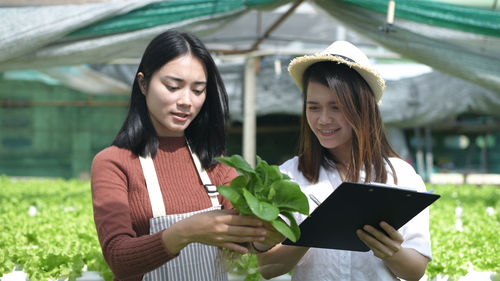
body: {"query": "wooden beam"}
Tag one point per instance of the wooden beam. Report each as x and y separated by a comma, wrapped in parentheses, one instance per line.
(255, 46)
(90, 102)
(228, 52)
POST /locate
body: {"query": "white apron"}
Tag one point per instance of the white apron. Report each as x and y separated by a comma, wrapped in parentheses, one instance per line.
(197, 262)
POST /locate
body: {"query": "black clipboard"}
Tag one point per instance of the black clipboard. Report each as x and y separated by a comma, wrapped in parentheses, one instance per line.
(333, 224)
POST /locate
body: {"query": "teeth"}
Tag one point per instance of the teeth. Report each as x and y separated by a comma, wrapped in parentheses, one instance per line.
(326, 131)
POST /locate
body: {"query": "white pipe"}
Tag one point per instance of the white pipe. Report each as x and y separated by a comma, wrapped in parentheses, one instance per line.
(249, 115)
(390, 11)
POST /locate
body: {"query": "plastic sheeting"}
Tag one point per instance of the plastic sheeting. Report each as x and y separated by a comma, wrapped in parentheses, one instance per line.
(470, 56)
(433, 99)
(28, 29)
(167, 12)
(452, 16)
(460, 41)
(430, 99)
(87, 80)
(38, 37)
(416, 97)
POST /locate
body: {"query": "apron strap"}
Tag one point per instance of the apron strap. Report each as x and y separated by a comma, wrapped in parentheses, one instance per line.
(209, 187)
(153, 186)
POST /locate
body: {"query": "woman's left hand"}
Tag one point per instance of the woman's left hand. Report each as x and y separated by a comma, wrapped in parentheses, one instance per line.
(383, 245)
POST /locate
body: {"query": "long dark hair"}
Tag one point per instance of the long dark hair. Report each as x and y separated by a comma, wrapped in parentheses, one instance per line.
(370, 147)
(207, 132)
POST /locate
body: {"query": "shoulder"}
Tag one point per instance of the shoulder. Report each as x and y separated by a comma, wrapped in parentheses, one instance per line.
(291, 169)
(400, 164)
(113, 153)
(221, 173)
(401, 167)
(406, 174)
(290, 166)
(113, 166)
(220, 168)
(112, 157)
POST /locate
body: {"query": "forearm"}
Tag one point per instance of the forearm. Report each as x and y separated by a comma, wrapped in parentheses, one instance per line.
(407, 264)
(173, 239)
(132, 256)
(279, 260)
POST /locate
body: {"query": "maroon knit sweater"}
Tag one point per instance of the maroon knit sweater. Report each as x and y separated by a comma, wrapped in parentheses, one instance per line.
(122, 208)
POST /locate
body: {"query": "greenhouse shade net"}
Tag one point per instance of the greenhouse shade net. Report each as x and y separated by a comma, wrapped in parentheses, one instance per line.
(45, 36)
(458, 40)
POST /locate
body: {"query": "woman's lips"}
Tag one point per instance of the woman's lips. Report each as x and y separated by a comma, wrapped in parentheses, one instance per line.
(328, 133)
(180, 116)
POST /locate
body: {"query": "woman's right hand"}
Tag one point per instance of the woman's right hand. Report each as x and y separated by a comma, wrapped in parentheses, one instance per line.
(222, 228)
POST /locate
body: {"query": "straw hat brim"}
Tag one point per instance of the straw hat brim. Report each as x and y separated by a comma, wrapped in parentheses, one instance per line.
(298, 66)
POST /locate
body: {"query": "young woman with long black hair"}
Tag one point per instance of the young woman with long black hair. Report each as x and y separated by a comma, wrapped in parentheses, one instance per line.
(156, 208)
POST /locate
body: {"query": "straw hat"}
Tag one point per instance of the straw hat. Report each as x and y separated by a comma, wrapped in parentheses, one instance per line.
(340, 52)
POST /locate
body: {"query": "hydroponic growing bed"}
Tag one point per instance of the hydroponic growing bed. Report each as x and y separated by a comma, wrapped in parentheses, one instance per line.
(49, 233)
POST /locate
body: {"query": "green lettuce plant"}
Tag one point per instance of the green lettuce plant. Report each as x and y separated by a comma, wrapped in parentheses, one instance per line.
(266, 193)
(55, 242)
(48, 229)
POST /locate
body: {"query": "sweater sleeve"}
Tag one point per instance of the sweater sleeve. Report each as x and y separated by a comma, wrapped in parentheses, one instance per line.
(127, 254)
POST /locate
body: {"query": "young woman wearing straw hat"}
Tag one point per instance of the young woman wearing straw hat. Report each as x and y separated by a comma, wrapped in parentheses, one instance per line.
(342, 139)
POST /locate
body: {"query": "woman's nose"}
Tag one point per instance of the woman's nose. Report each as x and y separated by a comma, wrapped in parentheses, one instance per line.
(324, 117)
(185, 98)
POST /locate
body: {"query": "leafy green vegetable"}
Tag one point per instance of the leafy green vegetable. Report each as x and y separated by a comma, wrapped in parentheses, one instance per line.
(55, 242)
(266, 193)
(453, 251)
(48, 229)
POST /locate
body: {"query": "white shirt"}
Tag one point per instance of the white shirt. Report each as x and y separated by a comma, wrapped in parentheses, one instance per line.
(327, 264)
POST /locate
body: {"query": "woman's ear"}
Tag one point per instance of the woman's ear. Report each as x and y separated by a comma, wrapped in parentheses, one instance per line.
(142, 83)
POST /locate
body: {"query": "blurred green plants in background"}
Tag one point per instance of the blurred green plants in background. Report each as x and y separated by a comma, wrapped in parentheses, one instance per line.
(48, 230)
(465, 229)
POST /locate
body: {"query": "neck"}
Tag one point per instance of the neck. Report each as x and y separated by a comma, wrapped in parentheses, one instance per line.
(342, 159)
(342, 154)
(342, 170)
(342, 162)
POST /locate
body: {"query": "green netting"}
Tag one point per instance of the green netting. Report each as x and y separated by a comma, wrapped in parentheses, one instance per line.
(265, 4)
(470, 56)
(470, 19)
(167, 12)
(54, 131)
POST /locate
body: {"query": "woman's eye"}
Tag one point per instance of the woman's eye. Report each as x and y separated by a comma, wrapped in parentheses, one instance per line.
(172, 88)
(311, 108)
(198, 92)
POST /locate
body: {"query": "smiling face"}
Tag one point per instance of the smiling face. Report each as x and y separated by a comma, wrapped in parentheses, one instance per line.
(175, 94)
(327, 121)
